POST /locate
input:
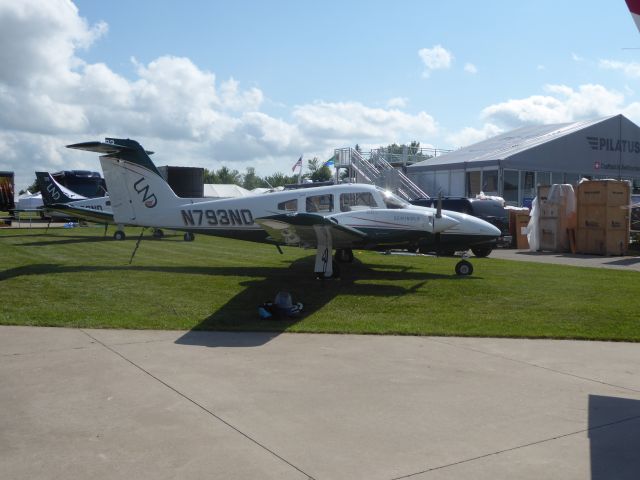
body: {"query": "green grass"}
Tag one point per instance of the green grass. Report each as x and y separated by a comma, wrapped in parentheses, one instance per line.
(76, 278)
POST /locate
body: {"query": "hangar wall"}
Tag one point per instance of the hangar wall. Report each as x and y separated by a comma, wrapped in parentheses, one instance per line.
(513, 164)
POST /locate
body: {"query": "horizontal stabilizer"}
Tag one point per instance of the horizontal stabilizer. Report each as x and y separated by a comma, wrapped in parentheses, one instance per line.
(121, 148)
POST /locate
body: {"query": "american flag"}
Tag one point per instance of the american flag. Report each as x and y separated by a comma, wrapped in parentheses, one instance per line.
(297, 164)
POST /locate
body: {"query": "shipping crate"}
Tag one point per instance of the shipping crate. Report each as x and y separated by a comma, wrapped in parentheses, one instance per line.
(515, 226)
(521, 224)
(612, 193)
(554, 219)
(552, 236)
(602, 242)
(603, 217)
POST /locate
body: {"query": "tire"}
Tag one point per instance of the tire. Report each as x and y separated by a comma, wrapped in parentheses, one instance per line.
(119, 235)
(344, 255)
(482, 252)
(464, 268)
(189, 237)
(157, 233)
(335, 274)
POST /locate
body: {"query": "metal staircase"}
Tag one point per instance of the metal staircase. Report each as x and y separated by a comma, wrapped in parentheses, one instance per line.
(376, 171)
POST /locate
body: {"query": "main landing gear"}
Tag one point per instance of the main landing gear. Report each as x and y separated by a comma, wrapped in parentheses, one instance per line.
(119, 235)
(344, 255)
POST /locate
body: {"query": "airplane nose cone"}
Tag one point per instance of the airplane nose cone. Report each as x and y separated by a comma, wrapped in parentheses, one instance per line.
(485, 228)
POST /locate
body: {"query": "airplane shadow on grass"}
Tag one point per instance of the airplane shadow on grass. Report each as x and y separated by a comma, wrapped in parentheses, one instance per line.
(240, 313)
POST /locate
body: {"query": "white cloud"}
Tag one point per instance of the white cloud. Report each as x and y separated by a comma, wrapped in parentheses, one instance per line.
(340, 122)
(436, 58)
(576, 58)
(397, 102)
(470, 135)
(562, 104)
(470, 68)
(50, 97)
(630, 69)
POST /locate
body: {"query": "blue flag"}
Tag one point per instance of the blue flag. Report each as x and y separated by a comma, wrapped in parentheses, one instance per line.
(330, 162)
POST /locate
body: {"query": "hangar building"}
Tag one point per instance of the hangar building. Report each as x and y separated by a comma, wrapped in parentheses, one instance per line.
(512, 164)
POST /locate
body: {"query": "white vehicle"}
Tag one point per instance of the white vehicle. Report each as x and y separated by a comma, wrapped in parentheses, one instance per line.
(341, 217)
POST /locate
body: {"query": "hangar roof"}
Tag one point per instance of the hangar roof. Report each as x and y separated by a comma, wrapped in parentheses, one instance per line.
(508, 144)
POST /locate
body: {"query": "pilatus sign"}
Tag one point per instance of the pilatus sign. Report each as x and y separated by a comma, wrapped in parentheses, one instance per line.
(612, 145)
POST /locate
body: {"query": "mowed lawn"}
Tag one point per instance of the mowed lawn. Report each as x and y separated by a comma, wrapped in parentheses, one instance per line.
(77, 278)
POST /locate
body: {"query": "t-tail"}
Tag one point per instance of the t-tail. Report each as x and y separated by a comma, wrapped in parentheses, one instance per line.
(139, 194)
(52, 192)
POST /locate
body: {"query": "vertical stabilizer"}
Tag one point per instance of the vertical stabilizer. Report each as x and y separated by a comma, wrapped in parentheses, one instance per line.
(139, 194)
(54, 193)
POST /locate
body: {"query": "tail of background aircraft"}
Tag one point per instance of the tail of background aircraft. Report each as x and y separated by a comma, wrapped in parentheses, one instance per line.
(138, 192)
(634, 8)
(53, 192)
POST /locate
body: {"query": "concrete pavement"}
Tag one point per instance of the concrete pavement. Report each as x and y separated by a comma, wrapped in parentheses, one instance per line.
(628, 262)
(100, 404)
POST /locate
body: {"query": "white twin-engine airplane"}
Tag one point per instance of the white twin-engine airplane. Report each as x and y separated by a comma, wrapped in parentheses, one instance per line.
(341, 217)
(61, 200)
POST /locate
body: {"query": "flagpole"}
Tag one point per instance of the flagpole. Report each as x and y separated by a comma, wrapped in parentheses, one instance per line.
(300, 172)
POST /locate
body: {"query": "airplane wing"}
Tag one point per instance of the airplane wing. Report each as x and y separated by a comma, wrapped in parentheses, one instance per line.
(302, 229)
(81, 213)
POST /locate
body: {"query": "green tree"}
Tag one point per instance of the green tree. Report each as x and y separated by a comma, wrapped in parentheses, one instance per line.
(33, 188)
(318, 172)
(223, 175)
(250, 180)
(279, 179)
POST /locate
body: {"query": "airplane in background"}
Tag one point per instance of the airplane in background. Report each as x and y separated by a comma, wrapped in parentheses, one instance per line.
(340, 217)
(61, 200)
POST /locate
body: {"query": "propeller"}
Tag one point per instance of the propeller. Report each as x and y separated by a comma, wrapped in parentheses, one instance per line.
(438, 215)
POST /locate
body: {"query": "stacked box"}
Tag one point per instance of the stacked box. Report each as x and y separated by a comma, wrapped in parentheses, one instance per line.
(603, 217)
(556, 217)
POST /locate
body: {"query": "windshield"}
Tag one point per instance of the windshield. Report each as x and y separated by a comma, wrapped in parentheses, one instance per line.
(391, 200)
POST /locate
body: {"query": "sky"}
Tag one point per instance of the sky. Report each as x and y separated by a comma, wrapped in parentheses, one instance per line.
(257, 84)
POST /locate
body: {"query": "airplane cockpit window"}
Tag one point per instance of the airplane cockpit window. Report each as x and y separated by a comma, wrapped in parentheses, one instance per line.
(320, 203)
(392, 201)
(356, 201)
(289, 205)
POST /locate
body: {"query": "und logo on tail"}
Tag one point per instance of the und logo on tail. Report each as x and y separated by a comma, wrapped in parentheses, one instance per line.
(149, 200)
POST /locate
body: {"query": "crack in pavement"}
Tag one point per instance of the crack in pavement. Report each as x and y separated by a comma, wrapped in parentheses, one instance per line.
(200, 406)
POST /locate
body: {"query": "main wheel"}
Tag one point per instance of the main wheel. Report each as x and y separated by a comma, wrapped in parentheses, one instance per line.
(335, 274)
(464, 268)
(189, 237)
(344, 255)
(482, 252)
(157, 233)
(119, 235)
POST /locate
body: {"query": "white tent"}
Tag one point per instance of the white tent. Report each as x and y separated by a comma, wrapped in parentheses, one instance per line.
(220, 190)
(29, 201)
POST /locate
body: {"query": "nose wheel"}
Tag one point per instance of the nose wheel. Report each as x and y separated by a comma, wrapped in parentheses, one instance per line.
(464, 268)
